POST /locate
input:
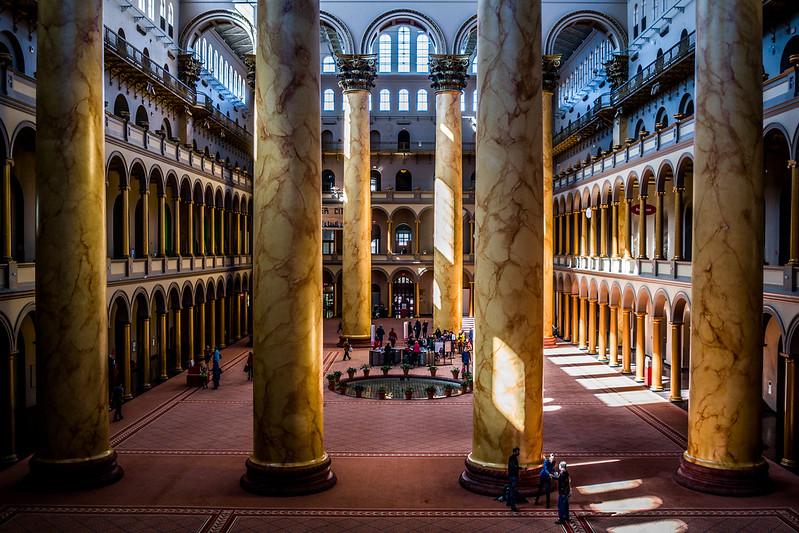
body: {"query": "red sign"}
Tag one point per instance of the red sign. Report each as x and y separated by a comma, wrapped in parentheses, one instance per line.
(636, 209)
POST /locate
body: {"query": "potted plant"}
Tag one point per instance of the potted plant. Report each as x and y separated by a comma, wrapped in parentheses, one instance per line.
(331, 381)
(337, 375)
(469, 384)
(385, 369)
(342, 387)
(406, 368)
(454, 373)
(365, 368)
(351, 372)
(464, 386)
(448, 390)
(381, 393)
(430, 390)
(359, 391)
(432, 369)
(409, 393)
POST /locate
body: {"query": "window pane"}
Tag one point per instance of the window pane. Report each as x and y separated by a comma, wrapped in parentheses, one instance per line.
(463, 102)
(474, 101)
(385, 100)
(422, 52)
(403, 100)
(404, 49)
(330, 100)
(421, 100)
(384, 52)
(328, 64)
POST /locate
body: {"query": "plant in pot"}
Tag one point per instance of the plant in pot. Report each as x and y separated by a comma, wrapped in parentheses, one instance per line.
(470, 384)
(331, 381)
(431, 391)
(454, 373)
(365, 368)
(448, 390)
(342, 387)
(464, 386)
(337, 375)
(381, 393)
(406, 368)
(351, 372)
(432, 369)
(359, 391)
(409, 393)
(385, 369)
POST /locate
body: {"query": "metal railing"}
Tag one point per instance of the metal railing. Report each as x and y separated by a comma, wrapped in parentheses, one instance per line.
(601, 103)
(205, 101)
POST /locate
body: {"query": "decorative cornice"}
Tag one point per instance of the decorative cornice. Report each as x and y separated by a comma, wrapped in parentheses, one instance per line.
(448, 72)
(189, 69)
(550, 67)
(356, 72)
(249, 62)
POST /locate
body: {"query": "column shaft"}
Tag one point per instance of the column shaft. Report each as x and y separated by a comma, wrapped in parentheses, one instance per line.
(162, 345)
(178, 343)
(190, 333)
(566, 316)
(584, 234)
(575, 318)
(603, 331)
(642, 227)
(176, 244)
(592, 327)
(145, 352)
(161, 225)
(675, 381)
(212, 229)
(508, 391)
(613, 341)
(288, 451)
(128, 382)
(657, 354)
(200, 350)
(212, 323)
(8, 445)
(659, 225)
(790, 420)
(222, 226)
(576, 243)
(603, 233)
(190, 229)
(592, 233)
(222, 337)
(125, 192)
(8, 164)
(626, 352)
(582, 339)
(640, 346)
(678, 255)
(201, 229)
(73, 446)
(145, 223)
(614, 229)
(628, 229)
(794, 236)
(567, 241)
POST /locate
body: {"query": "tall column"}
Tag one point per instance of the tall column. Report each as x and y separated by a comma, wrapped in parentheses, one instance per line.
(176, 226)
(145, 352)
(388, 244)
(162, 225)
(125, 193)
(8, 164)
(642, 227)
(190, 333)
(566, 317)
(448, 76)
(678, 223)
(8, 445)
(724, 434)
(245, 316)
(603, 232)
(592, 326)
(603, 331)
(222, 216)
(613, 341)
(288, 456)
(508, 393)
(246, 221)
(356, 75)
(592, 233)
(200, 330)
(640, 346)
(549, 83)
(190, 229)
(73, 448)
(576, 226)
(201, 224)
(627, 229)
(614, 230)
(145, 223)
(212, 322)
(212, 229)
(236, 316)
(626, 352)
(178, 343)
(237, 240)
(790, 458)
(127, 382)
(575, 318)
(221, 324)
(659, 225)
(567, 240)
(584, 233)
(657, 353)
(794, 244)
(675, 381)
(582, 338)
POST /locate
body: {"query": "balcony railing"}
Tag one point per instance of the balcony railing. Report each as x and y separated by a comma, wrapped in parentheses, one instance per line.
(600, 111)
(206, 105)
(410, 148)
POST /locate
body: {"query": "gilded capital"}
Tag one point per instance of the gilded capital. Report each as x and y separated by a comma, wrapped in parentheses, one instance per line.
(616, 69)
(356, 72)
(249, 62)
(449, 72)
(189, 69)
(550, 68)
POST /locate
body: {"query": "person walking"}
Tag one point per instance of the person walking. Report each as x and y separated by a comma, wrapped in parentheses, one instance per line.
(216, 374)
(392, 337)
(204, 374)
(417, 329)
(248, 366)
(545, 478)
(217, 355)
(466, 360)
(347, 350)
(380, 332)
(116, 401)
(513, 479)
(564, 492)
(424, 329)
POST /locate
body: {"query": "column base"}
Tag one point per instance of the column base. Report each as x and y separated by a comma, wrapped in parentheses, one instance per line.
(792, 464)
(287, 481)
(722, 482)
(676, 399)
(356, 341)
(550, 342)
(76, 475)
(491, 482)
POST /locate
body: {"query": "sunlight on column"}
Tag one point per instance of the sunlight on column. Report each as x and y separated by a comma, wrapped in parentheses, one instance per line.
(507, 384)
(657, 526)
(347, 129)
(443, 230)
(627, 505)
(436, 295)
(448, 132)
(598, 488)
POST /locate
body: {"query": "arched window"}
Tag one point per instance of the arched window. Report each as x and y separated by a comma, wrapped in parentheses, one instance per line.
(403, 102)
(474, 64)
(384, 53)
(421, 100)
(329, 101)
(142, 118)
(170, 19)
(403, 238)
(374, 182)
(151, 9)
(422, 52)
(328, 180)
(204, 52)
(328, 64)
(375, 243)
(142, 6)
(639, 127)
(474, 101)
(121, 108)
(662, 117)
(403, 141)
(404, 49)
(687, 105)
(215, 64)
(162, 14)
(385, 100)
(403, 180)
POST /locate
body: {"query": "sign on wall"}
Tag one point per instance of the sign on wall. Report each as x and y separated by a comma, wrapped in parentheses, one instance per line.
(332, 217)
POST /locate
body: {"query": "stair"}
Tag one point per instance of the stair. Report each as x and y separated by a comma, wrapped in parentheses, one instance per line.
(467, 323)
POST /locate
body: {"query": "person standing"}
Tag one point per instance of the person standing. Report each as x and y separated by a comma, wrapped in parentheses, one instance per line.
(116, 401)
(216, 374)
(564, 492)
(417, 329)
(545, 478)
(249, 366)
(380, 332)
(466, 360)
(217, 355)
(204, 374)
(347, 350)
(392, 337)
(424, 329)
(513, 479)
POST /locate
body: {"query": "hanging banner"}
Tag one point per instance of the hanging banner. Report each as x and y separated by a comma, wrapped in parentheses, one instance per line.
(332, 217)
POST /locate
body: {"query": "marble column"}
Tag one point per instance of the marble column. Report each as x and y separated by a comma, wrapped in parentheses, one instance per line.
(145, 352)
(221, 337)
(508, 388)
(626, 352)
(178, 343)
(566, 318)
(176, 249)
(724, 426)
(677, 223)
(448, 74)
(575, 318)
(190, 332)
(162, 225)
(614, 229)
(222, 216)
(576, 227)
(73, 448)
(592, 326)
(593, 249)
(127, 382)
(237, 240)
(212, 323)
(8, 444)
(603, 232)
(201, 338)
(794, 235)
(550, 66)
(212, 230)
(790, 419)
(640, 346)
(190, 228)
(675, 381)
(288, 455)
(657, 353)
(641, 227)
(567, 240)
(8, 164)
(627, 229)
(125, 193)
(603, 331)
(145, 223)
(613, 341)
(584, 233)
(582, 337)
(201, 229)
(658, 225)
(356, 75)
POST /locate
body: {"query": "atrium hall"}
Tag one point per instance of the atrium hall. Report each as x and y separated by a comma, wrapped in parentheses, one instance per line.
(338, 265)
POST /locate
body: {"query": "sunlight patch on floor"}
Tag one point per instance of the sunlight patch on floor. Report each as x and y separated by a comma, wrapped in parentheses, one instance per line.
(657, 526)
(599, 488)
(606, 383)
(572, 359)
(568, 350)
(590, 370)
(627, 505)
(633, 397)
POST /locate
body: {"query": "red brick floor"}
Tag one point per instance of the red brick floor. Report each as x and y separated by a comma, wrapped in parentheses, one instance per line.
(397, 463)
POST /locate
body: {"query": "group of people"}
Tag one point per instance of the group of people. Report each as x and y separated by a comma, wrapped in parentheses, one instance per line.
(211, 358)
(546, 475)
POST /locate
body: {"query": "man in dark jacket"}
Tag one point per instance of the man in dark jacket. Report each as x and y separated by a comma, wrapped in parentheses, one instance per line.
(116, 401)
(513, 479)
(564, 492)
(380, 333)
(545, 478)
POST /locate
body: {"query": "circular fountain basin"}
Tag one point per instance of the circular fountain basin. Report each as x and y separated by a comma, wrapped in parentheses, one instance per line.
(396, 385)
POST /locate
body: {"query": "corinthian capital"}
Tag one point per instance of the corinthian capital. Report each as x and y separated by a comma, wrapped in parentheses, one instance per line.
(449, 72)
(550, 67)
(356, 71)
